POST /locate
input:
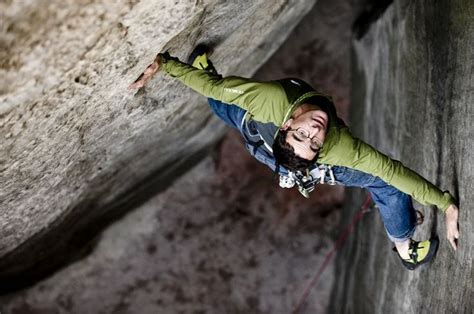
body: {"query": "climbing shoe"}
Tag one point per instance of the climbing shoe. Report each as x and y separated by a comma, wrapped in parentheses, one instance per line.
(419, 252)
(199, 59)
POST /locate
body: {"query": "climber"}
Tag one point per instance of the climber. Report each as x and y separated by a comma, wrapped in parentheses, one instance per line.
(297, 133)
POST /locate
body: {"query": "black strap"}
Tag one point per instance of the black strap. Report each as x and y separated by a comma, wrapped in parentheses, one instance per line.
(414, 251)
(255, 145)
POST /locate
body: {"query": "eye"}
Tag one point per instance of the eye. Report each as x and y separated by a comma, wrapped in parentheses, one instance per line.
(302, 133)
(297, 138)
(314, 149)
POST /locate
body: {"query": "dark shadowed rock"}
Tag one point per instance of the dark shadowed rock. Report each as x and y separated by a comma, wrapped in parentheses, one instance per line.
(412, 98)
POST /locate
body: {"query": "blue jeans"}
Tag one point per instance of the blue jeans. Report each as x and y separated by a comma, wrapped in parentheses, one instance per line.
(395, 207)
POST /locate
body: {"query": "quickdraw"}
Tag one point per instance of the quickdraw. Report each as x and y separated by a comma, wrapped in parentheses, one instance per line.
(306, 182)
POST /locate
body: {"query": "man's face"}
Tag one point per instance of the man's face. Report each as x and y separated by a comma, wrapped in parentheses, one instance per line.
(312, 123)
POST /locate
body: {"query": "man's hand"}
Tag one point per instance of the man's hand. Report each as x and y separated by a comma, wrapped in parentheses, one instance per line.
(452, 231)
(150, 71)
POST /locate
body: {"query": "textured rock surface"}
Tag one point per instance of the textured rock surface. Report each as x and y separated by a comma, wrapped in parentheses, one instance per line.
(413, 89)
(77, 149)
(234, 242)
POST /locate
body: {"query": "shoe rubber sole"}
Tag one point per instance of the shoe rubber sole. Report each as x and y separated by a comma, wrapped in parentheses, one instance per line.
(434, 244)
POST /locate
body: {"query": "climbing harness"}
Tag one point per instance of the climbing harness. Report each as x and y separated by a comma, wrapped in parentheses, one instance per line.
(365, 208)
(306, 182)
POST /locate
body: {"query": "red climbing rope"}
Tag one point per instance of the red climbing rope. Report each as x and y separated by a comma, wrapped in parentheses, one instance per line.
(340, 241)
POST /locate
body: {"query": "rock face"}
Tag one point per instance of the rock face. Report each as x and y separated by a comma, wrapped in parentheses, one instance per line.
(224, 238)
(231, 243)
(78, 150)
(77, 153)
(412, 98)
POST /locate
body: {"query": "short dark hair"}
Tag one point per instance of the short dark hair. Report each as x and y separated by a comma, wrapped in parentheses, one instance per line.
(285, 155)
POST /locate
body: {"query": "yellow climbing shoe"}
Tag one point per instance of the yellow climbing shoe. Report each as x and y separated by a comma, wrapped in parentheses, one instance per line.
(199, 59)
(420, 253)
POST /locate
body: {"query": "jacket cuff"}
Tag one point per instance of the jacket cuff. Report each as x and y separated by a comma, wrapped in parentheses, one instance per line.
(164, 58)
(448, 200)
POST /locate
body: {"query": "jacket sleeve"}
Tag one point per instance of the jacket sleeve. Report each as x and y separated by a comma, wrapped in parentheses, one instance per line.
(361, 156)
(266, 101)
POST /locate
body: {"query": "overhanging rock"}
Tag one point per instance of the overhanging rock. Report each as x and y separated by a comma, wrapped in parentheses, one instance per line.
(78, 150)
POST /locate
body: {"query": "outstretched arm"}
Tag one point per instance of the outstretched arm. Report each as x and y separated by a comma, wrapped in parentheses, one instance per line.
(266, 101)
(359, 155)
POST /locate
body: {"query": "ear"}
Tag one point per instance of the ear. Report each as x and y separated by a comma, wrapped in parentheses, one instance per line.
(287, 124)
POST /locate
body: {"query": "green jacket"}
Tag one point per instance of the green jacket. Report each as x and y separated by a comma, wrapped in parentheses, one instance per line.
(275, 102)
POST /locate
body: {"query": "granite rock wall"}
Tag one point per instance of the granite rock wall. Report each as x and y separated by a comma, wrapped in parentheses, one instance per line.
(77, 149)
(413, 99)
(223, 238)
